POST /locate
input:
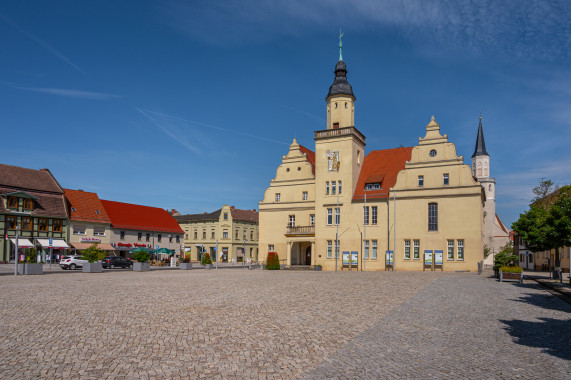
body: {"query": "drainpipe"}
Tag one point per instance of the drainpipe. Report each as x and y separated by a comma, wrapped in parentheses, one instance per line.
(365, 233)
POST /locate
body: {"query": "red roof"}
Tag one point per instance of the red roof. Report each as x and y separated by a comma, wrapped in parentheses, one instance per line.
(310, 156)
(381, 166)
(244, 215)
(87, 206)
(137, 217)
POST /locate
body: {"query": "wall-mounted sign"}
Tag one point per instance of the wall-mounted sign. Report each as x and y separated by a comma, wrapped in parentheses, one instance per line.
(90, 240)
(124, 245)
(346, 258)
(389, 257)
(140, 245)
(333, 161)
(354, 258)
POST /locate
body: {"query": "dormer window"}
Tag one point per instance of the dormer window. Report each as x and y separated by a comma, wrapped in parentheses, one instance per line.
(28, 204)
(97, 212)
(12, 202)
(373, 186)
(73, 209)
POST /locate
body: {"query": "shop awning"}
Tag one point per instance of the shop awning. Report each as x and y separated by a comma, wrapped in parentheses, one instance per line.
(56, 243)
(80, 246)
(22, 243)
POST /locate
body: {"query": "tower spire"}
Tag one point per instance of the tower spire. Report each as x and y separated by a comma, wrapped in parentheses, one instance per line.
(340, 45)
(480, 149)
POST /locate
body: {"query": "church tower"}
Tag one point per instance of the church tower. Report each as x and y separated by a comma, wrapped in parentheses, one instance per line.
(340, 99)
(481, 170)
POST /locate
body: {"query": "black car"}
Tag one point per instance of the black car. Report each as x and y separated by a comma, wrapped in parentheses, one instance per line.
(116, 262)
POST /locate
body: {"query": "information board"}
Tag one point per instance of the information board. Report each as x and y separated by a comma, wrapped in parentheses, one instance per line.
(428, 257)
(389, 257)
(346, 258)
(354, 258)
(438, 257)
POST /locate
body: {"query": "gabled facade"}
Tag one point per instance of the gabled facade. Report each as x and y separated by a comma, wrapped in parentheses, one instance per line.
(88, 221)
(343, 209)
(34, 202)
(231, 232)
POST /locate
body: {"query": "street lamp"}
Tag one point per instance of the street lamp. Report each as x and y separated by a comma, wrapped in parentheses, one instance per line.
(16, 253)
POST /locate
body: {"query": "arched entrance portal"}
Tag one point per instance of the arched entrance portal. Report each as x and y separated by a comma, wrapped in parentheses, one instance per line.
(308, 255)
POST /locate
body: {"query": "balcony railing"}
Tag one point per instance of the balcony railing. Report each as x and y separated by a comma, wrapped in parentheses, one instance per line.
(300, 230)
(328, 133)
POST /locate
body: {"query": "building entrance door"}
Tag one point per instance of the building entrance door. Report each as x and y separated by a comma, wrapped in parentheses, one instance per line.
(308, 256)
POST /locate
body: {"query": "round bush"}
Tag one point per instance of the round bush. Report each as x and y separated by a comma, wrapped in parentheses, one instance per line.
(273, 261)
(205, 259)
(141, 257)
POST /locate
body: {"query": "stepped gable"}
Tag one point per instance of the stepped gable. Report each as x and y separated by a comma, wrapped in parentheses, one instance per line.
(310, 156)
(381, 166)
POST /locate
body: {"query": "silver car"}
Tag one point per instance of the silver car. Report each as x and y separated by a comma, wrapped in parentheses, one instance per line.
(72, 262)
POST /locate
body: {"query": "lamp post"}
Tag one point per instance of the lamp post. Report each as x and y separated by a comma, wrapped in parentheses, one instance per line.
(337, 235)
(16, 253)
(244, 255)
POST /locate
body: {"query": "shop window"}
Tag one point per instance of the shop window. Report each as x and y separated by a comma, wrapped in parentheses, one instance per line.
(57, 225)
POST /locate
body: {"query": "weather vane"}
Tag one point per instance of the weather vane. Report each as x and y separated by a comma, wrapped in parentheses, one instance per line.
(340, 45)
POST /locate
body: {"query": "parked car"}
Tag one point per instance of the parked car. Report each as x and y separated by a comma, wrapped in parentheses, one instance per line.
(116, 262)
(72, 262)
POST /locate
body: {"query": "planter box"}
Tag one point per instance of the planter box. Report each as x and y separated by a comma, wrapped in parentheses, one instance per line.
(317, 268)
(92, 267)
(185, 266)
(141, 267)
(517, 277)
(35, 268)
(208, 266)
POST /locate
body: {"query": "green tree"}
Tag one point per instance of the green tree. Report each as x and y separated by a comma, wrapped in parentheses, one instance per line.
(93, 254)
(505, 257)
(141, 256)
(206, 259)
(541, 191)
(559, 222)
(273, 261)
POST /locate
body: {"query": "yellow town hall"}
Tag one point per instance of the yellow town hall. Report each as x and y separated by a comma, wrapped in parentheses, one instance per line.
(413, 208)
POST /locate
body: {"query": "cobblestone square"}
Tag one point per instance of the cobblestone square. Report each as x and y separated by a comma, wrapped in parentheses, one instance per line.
(239, 323)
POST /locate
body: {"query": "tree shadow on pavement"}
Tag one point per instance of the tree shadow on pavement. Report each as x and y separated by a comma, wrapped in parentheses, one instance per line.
(552, 335)
(546, 301)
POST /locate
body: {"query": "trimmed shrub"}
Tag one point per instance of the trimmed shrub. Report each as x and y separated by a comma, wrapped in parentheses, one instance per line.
(205, 259)
(93, 254)
(31, 256)
(273, 261)
(505, 269)
(141, 257)
(186, 259)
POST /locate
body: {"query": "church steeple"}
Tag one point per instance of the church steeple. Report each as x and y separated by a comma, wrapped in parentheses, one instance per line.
(340, 98)
(480, 149)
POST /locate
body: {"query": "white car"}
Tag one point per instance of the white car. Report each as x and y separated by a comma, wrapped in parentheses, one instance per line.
(72, 262)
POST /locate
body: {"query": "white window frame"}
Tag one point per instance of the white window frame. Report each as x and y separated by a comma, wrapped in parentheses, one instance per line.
(278, 197)
(271, 248)
(338, 187)
(291, 221)
(312, 220)
(460, 250)
(304, 195)
(366, 250)
(98, 231)
(329, 249)
(329, 216)
(326, 187)
(407, 249)
(373, 215)
(333, 187)
(450, 250)
(337, 245)
(79, 230)
(416, 249)
(225, 234)
(445, 179)
(374, 246)
(420, 181)
(365, 215)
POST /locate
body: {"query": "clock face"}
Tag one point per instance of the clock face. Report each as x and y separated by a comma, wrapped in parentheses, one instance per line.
(333, 161)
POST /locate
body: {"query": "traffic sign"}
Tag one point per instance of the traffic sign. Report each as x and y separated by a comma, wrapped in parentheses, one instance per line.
(51, 242)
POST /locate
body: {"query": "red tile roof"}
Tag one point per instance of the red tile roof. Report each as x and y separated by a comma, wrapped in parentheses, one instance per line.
(86, 206)
(244, 215)
(137, 217)
(310, 156)
(381, 166)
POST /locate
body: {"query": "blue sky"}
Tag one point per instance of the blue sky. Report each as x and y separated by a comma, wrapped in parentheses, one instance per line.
(191, 104)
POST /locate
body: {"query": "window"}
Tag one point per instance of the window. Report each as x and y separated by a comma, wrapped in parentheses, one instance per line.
(366, 250)
(225, 216)
(358, 157)
(186, 236)
(11, 222)
(365, 215)
(236, 234)
(304, 195)
(79, 230)
(407, 249)
(159, 237)
(329, 216)
(97, 212)
(204, 233)
(460, 247)
(373, 186)
(244, 235)
(337, 216)
(178, 238)
(278, 197)
(28, 204)
(291, 222)
(327, 188)
(345, 104)
(170, 238)
(195, 234)
(270, 247)
(147, 237)
(251, 235)
(42, 224)
(374, 253)
(212, 234)
(73, 209)
(445, 179)
(337, 242)
(122, 235)
(26, 224)
(140, 236)
(333, 187)
(329, 248)
(420, 180)
(450, 253)
(433, 153)
(433, 217)
(416, 250)
(479, 169)
(339, 187)
(224, 234)
(373, 214)
(57, 225)
(12, 202)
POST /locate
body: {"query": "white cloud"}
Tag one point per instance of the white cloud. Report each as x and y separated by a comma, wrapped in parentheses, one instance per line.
(71, 93)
